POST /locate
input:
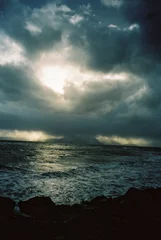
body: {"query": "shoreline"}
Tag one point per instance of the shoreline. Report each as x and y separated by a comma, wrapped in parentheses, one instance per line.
(134, 215)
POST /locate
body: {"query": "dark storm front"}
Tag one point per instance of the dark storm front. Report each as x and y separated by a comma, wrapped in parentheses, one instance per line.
(70, 173)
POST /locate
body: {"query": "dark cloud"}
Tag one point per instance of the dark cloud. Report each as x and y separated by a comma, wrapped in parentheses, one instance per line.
(13, 83)
(112, 48)
(35, 3)
(15, 25)
(21, 92)
(148, 15)
(3, 5)
(101, 96)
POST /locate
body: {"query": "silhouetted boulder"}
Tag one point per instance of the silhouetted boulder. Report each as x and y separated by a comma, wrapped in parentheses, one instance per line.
(63, 212)
(78, 207)
(82, 226)
(38, 207)
(6, 207)
(136, 196)
(134, 215)
(142, 202)
(97, 201)
(155, 194)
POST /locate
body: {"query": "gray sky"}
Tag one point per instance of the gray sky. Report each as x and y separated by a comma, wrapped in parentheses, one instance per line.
(81, 68)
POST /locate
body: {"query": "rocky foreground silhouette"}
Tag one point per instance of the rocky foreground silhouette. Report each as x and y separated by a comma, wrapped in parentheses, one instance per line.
(135, 215)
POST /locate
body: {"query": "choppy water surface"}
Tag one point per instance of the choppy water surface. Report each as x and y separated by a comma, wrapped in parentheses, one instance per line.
(70, 173)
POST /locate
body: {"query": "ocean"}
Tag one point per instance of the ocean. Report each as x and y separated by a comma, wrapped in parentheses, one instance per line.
(70, 173)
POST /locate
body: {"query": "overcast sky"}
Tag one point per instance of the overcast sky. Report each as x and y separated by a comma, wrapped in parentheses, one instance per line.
(81, 68)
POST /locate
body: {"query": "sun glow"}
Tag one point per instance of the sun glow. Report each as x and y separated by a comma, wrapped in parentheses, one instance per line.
(54, 77)
(58, 77)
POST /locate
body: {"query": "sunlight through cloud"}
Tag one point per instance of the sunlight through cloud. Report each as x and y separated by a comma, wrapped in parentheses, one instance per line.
(26, 135)
(116, 140)
(10, 51)
(54, 77)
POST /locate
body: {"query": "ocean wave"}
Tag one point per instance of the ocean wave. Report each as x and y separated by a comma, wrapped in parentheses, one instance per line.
(70, 173)
(5, 167)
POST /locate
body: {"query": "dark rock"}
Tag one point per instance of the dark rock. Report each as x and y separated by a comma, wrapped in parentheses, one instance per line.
(141, 202)
(82, 226)
(135, 215)
(66, 213)
(132, 192)
(153, 201)
(63, 213)
(155, 194)
(137, 197)
(38, 207)
(6, 207)
(97, 201)
(78, 207)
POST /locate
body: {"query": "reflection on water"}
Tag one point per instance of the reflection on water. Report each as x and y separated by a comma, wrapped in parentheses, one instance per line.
(69, 173)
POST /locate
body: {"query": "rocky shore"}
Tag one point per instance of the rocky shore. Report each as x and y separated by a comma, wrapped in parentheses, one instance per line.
(135, 215)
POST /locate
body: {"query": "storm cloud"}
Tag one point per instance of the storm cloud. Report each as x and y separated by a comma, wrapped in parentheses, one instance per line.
(81, 69)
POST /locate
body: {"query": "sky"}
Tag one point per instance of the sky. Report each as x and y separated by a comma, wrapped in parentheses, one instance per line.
(89, 69)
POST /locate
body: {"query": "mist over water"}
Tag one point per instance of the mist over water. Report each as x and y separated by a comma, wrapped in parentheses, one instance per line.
(69, 173)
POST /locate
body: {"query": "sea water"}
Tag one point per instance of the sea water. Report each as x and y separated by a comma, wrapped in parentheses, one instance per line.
(71, 173)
